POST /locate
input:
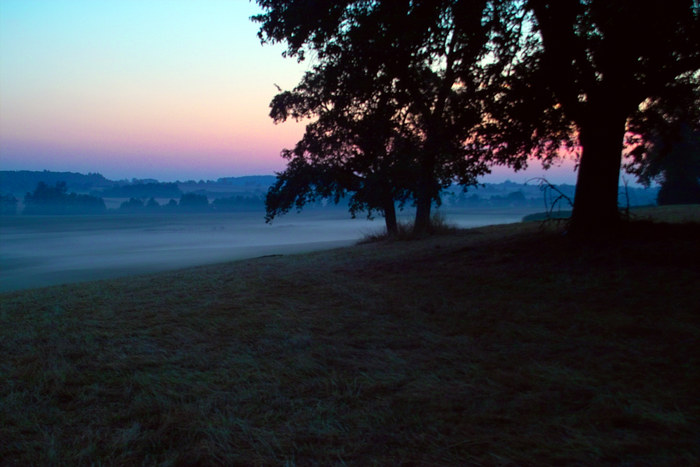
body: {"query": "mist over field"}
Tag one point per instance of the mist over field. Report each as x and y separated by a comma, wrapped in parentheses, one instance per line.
(38, 251)
(62, 227)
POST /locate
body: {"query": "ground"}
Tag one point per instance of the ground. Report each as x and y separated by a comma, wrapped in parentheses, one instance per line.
(505, 345)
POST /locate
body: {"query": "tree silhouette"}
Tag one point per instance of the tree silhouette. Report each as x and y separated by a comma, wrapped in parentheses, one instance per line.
(8, 204)
(355, 149)
(152, 204)
(511, 78)
(393, 113)
(590, 64)
(132, 205)
(193, 202)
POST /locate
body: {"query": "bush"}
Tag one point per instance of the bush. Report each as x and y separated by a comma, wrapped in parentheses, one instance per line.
(438, 226)
(193, 202)
(47, 199)
(8, 205)
(134, 204)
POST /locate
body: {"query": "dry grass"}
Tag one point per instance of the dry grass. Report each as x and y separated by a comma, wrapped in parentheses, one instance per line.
(502, 345)
(673, 213)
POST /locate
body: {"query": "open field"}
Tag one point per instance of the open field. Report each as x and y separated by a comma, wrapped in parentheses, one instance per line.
(38, 251)
(504, 345)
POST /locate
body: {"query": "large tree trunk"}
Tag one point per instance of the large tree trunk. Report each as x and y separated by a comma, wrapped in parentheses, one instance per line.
(595, 202)
(392, 228)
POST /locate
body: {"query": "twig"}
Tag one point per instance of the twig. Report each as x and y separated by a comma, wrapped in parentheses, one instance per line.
(547, 188)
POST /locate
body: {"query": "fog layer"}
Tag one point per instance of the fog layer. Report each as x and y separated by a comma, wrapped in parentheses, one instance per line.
(38, 251)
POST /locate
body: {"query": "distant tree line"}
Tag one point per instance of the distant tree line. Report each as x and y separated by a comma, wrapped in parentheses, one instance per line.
(18, 182)
(194, 202)
(189, 202)
(55, 199)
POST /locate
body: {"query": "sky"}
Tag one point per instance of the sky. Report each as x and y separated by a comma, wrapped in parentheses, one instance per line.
(164, 89)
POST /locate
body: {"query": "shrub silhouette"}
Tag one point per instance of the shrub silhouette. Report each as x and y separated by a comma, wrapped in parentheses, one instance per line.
(8, 205)
(193, 202)
(133, 204)
(47, 199)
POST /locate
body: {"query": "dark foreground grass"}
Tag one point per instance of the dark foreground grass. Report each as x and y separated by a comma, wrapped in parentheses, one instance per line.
(496, 346)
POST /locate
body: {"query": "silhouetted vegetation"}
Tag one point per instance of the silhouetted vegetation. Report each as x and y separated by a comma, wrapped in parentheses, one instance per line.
(391, 118)
(193, 202)
(47, 199)
(665, 139)
(189, 202)
(238, 203)
(329, 164)
(132, 205)
(8, 205)
(152, 204)
(405, 230)
(467, 84)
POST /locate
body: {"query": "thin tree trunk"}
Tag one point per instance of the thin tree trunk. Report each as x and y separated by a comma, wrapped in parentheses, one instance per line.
(595, 202)
(392, 228)
(422, 221)
(424, 201)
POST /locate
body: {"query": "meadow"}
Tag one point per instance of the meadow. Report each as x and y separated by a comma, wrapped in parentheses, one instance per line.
(497, 345)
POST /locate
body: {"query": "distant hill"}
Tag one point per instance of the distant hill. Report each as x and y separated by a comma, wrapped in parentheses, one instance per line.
(20, 182)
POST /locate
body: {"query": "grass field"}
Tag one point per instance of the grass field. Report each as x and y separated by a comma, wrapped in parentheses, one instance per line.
(504, 345)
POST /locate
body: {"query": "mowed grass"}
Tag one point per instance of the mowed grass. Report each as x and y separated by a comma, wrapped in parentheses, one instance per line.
(506, 345)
